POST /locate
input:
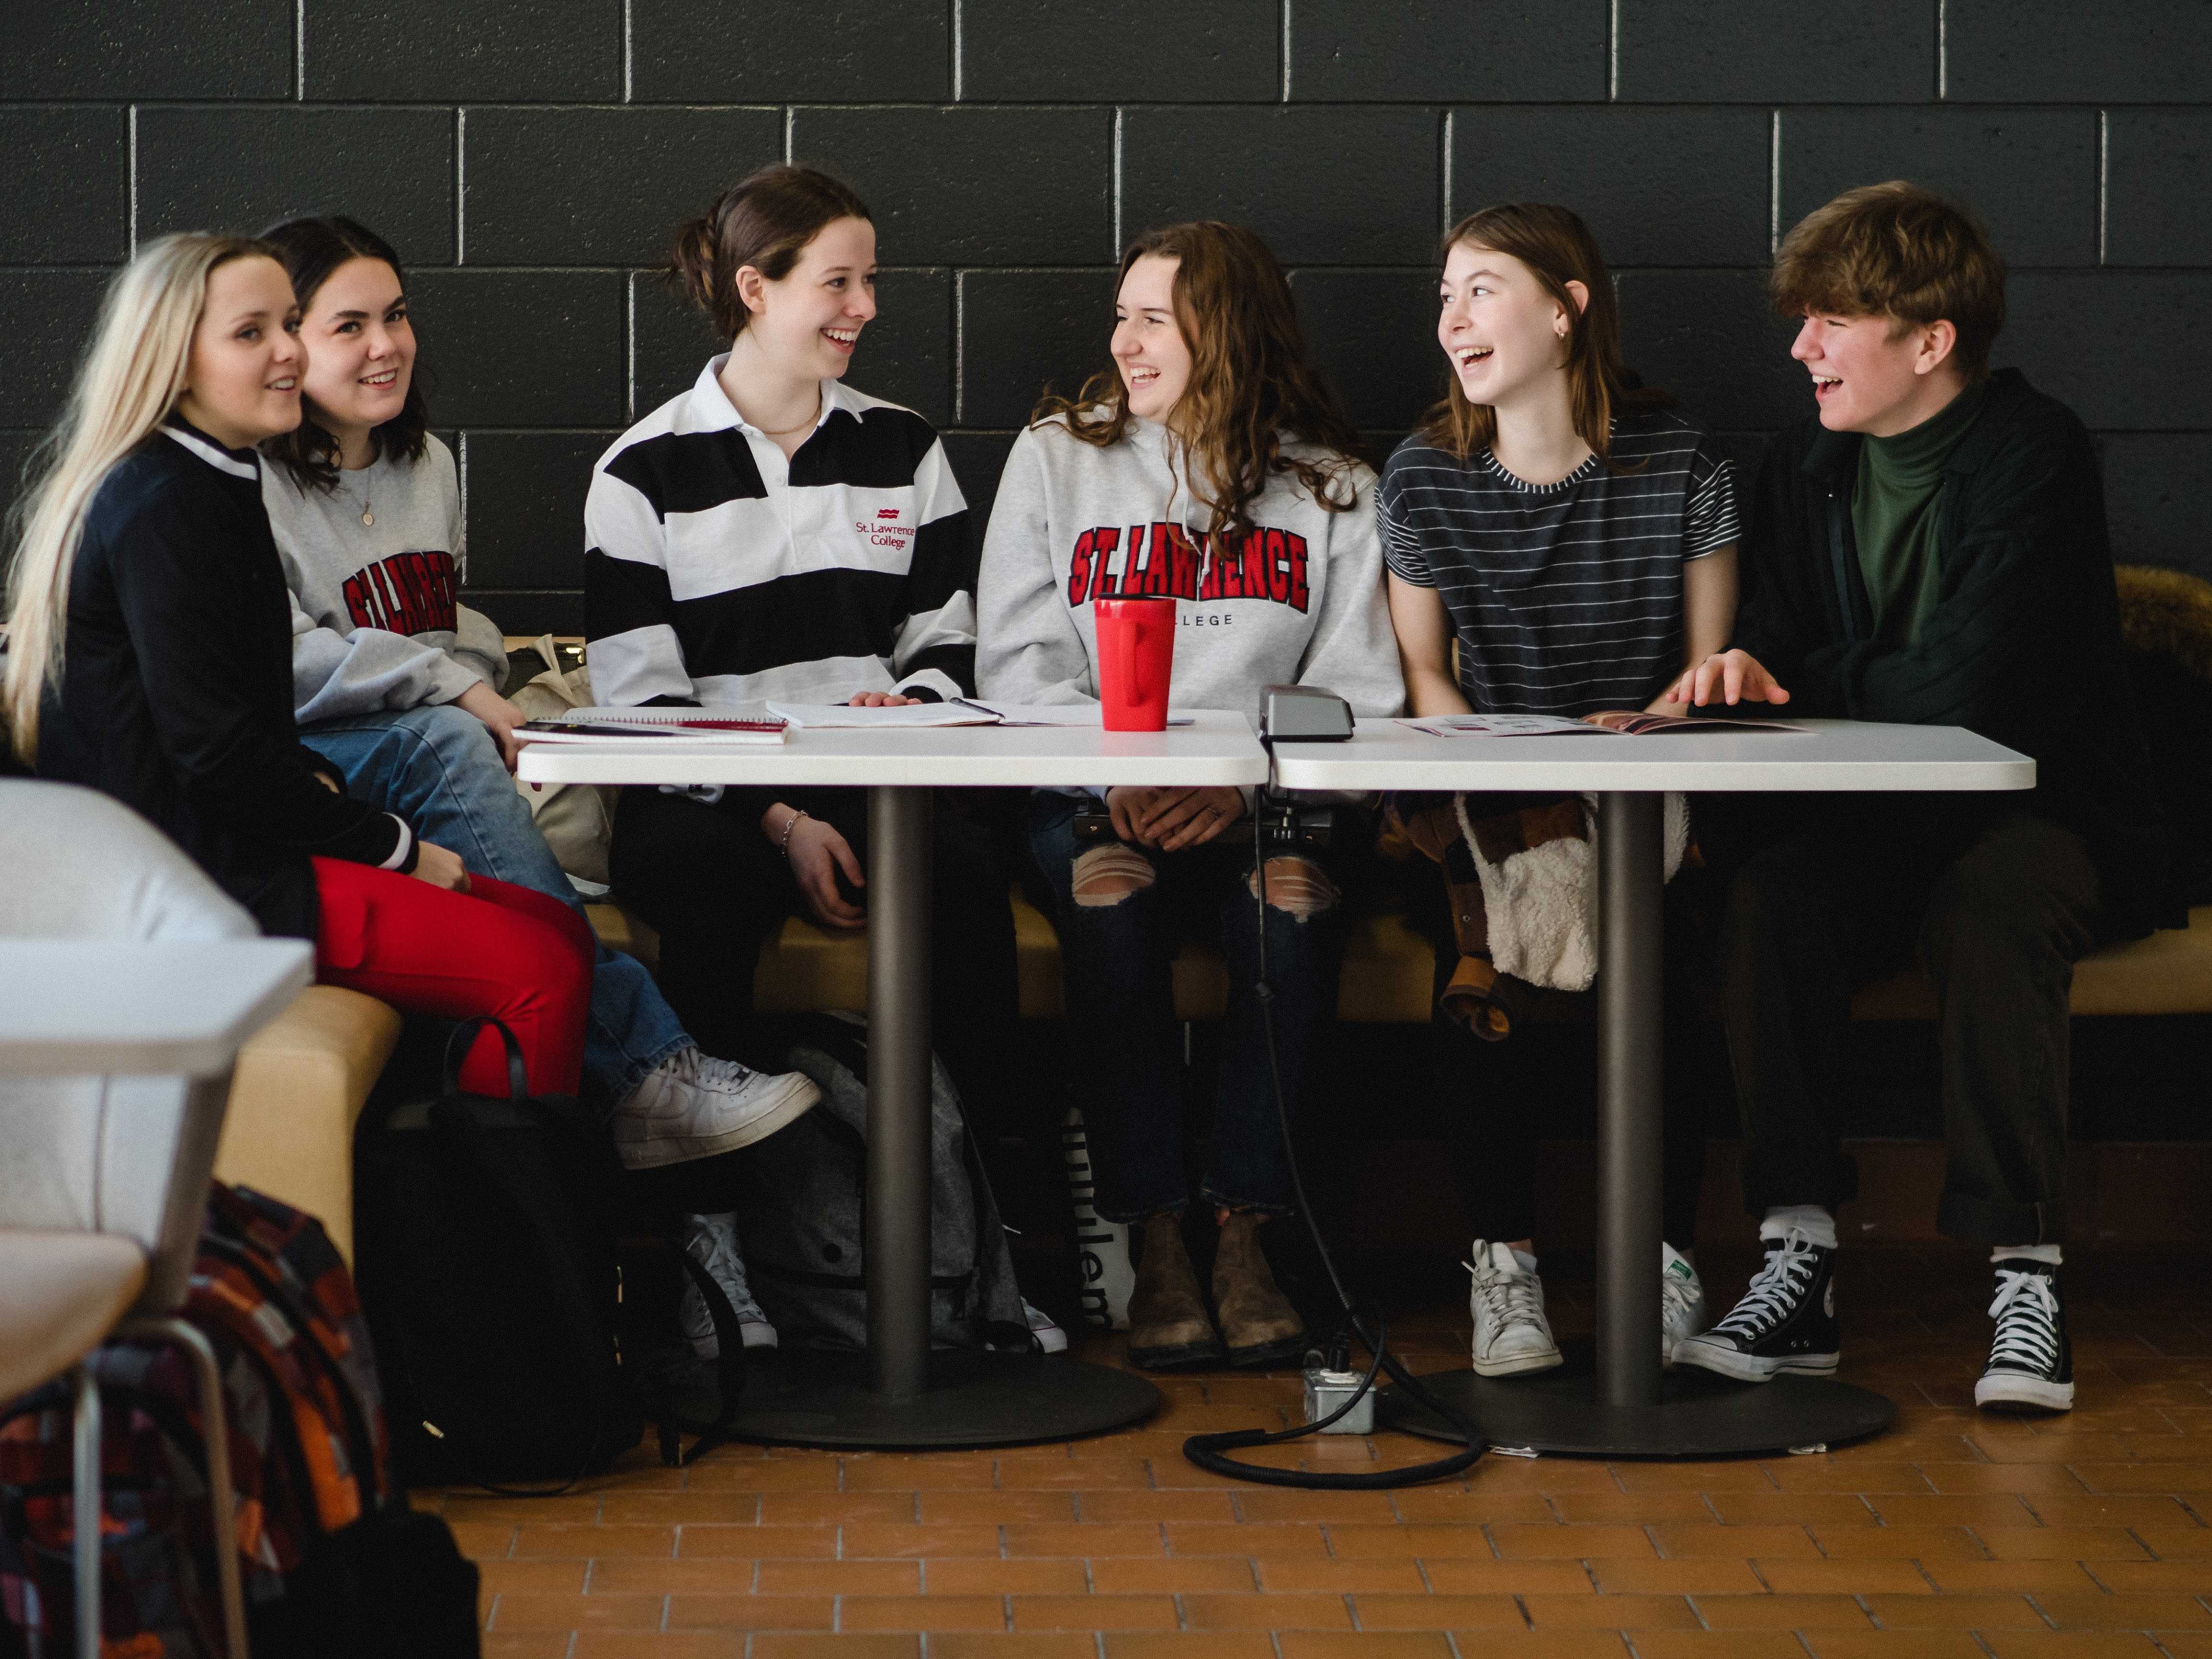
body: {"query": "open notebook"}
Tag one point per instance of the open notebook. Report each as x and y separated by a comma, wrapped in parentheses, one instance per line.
(705, 728)
(1622, 722)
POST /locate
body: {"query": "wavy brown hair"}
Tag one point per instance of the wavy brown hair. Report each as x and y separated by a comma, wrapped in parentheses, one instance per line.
(1252, 384)
(1558, 248)
(1896, 251)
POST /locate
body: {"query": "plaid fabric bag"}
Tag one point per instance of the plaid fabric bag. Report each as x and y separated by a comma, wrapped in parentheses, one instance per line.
(319, 1526)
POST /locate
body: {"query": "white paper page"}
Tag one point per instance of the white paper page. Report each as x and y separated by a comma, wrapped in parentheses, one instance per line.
(1497, 725)
(812, 716)
(1076, 715)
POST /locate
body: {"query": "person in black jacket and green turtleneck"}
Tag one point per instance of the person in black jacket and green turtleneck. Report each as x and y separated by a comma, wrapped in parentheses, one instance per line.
(1930, 549)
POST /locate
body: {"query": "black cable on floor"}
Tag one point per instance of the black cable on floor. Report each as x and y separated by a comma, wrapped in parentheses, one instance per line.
(1208, 1452)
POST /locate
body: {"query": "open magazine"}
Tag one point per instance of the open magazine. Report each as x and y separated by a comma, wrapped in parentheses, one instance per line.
(1622, 722)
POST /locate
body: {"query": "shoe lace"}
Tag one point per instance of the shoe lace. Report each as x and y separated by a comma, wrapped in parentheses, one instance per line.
(1510, 1299)
(1773, 1294)
(2027, 1312)
(1677, 1292)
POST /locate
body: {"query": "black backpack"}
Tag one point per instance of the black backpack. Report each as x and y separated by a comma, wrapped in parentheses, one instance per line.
(802, 1210)
(489, 1274)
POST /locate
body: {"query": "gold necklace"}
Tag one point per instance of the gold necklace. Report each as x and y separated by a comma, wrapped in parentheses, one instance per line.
(767, 432)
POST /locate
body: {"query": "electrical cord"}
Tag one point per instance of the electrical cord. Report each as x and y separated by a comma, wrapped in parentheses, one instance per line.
(1209, 1451)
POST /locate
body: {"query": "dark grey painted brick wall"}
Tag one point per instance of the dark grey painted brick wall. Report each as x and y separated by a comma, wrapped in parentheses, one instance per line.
(529, 156)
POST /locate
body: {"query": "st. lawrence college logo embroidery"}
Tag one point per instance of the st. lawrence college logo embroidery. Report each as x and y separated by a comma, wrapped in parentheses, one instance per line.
(1165, 559)
(406, 593)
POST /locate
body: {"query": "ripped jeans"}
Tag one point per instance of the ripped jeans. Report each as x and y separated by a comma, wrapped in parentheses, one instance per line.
(1118, 941)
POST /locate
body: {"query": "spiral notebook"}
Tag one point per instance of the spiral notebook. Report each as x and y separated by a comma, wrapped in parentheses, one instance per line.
(701, 728)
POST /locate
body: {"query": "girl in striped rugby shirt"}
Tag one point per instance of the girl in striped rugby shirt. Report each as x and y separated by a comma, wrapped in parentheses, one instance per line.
(771, 532)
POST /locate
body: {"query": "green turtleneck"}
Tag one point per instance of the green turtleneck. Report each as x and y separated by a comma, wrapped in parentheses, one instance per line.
(1893, 517)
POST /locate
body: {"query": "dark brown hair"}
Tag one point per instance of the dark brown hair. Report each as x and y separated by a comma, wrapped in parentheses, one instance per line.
(1895, 249)
(311, 249)
(1252, 383)
(1558, 248)
(764, 220)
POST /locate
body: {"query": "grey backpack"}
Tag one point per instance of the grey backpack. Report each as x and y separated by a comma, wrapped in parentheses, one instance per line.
(802, 1210)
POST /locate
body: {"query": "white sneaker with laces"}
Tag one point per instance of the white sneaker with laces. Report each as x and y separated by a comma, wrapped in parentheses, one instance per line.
(693, 1105)
(1511, 1334)
(711, 1242)
(1681, 1303)
(1049, 1338)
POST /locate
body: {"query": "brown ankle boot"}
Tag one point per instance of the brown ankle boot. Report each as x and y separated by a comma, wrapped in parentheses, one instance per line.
(1168, 1326)
(1257, 1320)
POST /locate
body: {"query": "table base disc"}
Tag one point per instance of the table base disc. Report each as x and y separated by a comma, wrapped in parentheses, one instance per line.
(1698, 1414)
(814, 1397)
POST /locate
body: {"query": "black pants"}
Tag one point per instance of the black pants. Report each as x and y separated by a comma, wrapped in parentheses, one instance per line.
(715, 888)
(1491, 1128)
(1996, 904)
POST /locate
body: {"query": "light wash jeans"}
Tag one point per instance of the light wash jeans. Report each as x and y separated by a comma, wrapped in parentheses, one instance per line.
(437, 767)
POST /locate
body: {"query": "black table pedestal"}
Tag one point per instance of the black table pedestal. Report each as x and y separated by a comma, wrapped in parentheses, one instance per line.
(900, 1394)
(1617, 1402)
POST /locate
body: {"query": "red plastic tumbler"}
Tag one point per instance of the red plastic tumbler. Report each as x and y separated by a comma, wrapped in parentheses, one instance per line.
(1136, 660)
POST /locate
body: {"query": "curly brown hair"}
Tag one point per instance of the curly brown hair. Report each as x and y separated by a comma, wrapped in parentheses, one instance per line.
(1253, 385)
(1558, 248)
(1895, 249)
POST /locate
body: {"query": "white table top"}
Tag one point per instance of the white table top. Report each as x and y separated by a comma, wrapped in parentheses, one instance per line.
(1217, 748)
(71, 1007)
(1830, 755)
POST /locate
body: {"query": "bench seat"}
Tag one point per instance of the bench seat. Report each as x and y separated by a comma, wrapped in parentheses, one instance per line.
(1388, 972)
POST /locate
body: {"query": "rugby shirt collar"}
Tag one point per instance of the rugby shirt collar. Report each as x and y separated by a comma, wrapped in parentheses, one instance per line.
(239, 463)
(711, 410)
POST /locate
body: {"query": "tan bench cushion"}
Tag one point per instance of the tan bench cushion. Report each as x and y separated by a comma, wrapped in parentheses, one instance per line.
(2168, 973)
(299, 1088)
(1388, 972)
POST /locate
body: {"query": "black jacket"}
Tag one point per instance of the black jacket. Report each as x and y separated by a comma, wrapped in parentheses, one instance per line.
(176, 690)
(2023, 645)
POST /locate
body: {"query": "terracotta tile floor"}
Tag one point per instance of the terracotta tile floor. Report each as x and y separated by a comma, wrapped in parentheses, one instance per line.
(1954, 1534)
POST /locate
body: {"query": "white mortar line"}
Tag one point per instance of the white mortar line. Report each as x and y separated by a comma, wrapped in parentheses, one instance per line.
(299, 50)
(1613, 51)
(958, 40)
(460, 184)
(131, 126)
(1445, 171)
(1116, 183)
(1773, 180)
(1942, 49)
(2103, 177)
(1285, 51)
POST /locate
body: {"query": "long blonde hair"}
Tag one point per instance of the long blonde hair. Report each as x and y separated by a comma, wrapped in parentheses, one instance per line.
(131, 377)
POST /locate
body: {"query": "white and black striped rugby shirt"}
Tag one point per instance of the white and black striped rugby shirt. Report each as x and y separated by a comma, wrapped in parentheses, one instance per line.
(715, 572)
(1566, 599)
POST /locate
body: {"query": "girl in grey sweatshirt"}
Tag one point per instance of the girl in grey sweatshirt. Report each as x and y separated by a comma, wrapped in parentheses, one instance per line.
(1212, 467)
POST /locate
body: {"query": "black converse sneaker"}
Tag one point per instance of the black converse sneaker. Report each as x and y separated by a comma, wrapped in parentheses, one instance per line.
(2031, 1362)
(1785, 1322)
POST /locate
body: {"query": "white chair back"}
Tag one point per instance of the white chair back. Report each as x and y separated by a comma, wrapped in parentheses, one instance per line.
(126, 1155)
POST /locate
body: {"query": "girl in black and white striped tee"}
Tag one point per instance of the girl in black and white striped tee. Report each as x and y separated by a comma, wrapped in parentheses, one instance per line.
(1576, 540)
(773, 533)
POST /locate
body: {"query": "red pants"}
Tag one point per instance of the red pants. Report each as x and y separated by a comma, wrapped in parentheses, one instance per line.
(497, 949)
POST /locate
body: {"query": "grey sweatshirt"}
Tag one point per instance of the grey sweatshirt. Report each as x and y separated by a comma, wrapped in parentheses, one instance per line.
(1298, 601)
(375, 621)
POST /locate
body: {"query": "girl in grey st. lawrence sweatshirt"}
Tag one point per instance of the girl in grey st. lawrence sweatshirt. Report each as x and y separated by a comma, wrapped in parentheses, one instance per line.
(1209, 465)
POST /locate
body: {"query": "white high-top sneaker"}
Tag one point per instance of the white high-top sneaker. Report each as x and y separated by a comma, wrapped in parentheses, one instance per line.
(1511, 1334)
(711, 1242)
(693, 1105)
(1681, 1303)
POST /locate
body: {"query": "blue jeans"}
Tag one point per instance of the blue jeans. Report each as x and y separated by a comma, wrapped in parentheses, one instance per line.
(1117, 960)
(438, 767)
